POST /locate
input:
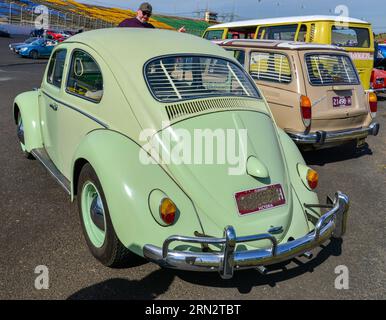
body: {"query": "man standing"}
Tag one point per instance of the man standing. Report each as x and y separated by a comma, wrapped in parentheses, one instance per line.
(141, 20)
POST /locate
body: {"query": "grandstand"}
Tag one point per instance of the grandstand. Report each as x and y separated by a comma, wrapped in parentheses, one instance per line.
(70, 14)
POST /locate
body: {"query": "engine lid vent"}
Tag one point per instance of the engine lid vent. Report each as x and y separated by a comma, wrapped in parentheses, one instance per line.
(201, 106)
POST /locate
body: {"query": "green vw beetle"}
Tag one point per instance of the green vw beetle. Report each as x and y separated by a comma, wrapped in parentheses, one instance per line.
(172, 154)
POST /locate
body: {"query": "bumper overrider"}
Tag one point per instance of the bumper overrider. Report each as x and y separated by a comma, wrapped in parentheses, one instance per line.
(331, 224)
(322, 137)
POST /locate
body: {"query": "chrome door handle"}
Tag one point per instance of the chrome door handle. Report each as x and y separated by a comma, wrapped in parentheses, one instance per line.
(54, 106)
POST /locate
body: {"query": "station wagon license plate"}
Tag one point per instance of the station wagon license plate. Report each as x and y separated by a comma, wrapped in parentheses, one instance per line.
(259, 199)
(341, 101)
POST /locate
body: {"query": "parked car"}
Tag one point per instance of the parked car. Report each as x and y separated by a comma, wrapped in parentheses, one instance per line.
(382, 49)
(313, 90)
(40, 48)
(101, 122)
(378, 80)
(56, 35)
(14, 46)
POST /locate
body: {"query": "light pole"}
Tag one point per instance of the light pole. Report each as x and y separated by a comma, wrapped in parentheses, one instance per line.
(10, 12)
(65, 20)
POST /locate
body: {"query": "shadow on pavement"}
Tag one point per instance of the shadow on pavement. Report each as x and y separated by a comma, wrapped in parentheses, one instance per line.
(159, 281)
(336, 154)
(148, 288)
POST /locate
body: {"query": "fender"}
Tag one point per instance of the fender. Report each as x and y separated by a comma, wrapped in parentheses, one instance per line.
(127, 184)
(27, 104)
(293, 157)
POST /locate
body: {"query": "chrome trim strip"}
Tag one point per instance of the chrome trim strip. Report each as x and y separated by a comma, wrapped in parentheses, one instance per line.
(331, 224)
(42, 156)
(78, 110)
(322, 137)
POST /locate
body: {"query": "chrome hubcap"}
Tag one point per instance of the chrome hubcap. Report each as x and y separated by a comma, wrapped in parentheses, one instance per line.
(97, 213)
(93, 214)
(20, 130)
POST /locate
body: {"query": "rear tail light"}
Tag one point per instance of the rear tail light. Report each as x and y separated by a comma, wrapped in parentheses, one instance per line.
(312, 178)
(167, 211)
(305, 107)
(373, 101)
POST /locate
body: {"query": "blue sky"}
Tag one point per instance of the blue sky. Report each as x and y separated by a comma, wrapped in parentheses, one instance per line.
(369, 10)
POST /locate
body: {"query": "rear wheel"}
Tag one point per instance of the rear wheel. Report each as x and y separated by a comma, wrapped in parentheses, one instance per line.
(34, 54)
(96, 222)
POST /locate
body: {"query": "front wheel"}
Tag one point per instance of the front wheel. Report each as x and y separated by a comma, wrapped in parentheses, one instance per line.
(34, 54)
(96, 222)
(21, 136)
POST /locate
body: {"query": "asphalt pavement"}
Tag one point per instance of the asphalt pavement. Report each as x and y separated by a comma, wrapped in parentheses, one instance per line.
(40, 226)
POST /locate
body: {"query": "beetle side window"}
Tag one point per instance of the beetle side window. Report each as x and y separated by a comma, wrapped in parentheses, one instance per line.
(55, 69)
(270, 66)
(85, 77)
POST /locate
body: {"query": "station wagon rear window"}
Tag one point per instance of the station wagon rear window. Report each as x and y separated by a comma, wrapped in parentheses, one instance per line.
(177, 78)
(330, 69)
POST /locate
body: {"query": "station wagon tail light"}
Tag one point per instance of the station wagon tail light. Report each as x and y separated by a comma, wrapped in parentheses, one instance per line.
(167, 210)
(305, 107)
(312, 178)
(373, 101)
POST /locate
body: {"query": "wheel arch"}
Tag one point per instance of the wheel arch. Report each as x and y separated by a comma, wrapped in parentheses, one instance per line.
(127, 184)
(27, 104)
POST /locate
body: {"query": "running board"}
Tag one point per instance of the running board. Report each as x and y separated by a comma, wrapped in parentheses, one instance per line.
(42, 155)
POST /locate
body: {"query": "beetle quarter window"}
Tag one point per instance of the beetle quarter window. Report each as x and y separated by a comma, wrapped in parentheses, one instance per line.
(177, 78)
(330, 69)
(55, 70)
(270, 66)
(85, 77)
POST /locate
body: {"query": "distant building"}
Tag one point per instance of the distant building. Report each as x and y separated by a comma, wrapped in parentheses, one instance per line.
(210, 16)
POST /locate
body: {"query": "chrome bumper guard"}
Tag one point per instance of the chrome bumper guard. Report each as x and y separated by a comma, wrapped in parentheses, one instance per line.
(322, 137)
(330, 224)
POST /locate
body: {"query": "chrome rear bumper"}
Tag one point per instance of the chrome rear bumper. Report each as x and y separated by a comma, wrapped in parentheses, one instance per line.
(324, 137)
(331, 224)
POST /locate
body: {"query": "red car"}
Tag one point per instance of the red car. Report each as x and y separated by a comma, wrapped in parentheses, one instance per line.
(55, 35)
(378, 80)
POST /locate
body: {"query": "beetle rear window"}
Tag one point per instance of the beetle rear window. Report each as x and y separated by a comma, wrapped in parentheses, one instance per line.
(329, 69)
(177, 78)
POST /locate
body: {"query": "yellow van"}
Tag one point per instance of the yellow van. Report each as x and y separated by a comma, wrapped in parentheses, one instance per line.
(354, 35)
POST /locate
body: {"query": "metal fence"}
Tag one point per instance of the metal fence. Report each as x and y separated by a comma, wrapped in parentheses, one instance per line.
(23, 14)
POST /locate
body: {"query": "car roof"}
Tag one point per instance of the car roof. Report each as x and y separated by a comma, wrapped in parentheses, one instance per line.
(287, 20)
(275, 44)
(126, 50)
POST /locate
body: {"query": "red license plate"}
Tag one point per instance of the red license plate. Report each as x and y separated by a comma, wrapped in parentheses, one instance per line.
(341, 101)
(260, 199)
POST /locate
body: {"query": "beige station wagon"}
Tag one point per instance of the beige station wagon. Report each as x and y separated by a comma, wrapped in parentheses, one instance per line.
(313, 90)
